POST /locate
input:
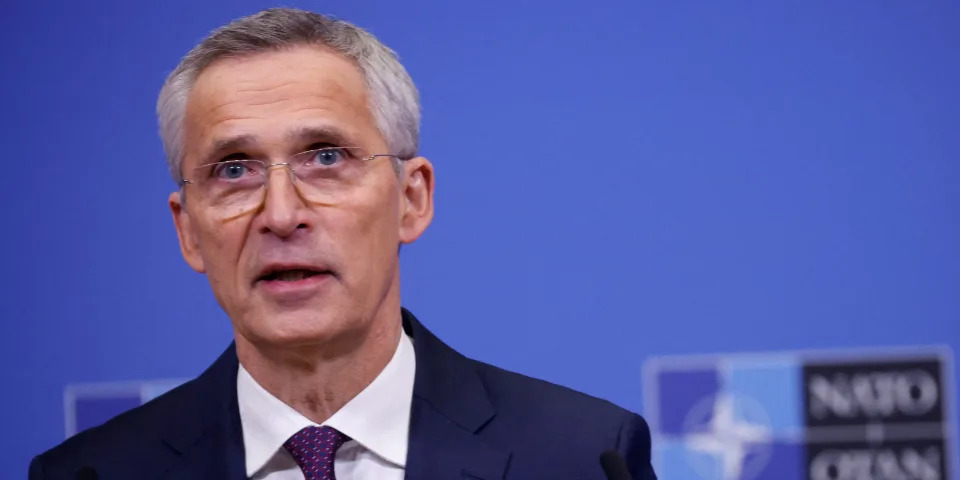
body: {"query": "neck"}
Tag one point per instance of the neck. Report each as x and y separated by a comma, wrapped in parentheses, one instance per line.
(319, 379)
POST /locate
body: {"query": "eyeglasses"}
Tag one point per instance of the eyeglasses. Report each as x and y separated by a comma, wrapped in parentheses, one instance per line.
(323, 175)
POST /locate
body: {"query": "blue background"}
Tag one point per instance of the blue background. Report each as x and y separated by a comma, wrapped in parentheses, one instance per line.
(615, 180)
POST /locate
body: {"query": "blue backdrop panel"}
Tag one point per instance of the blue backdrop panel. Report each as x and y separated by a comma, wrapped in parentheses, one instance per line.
(615, 179)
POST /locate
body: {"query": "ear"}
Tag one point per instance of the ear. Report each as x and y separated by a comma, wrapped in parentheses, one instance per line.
(416, 209)
(189, 246)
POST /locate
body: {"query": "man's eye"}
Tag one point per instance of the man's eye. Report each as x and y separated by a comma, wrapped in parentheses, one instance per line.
(230, 170)
(327, 157)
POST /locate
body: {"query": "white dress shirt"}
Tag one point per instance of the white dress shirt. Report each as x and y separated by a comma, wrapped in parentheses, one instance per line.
(377, 421)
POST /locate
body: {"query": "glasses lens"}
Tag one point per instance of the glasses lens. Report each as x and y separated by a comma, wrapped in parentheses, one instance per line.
(231, 187)
(328, 175)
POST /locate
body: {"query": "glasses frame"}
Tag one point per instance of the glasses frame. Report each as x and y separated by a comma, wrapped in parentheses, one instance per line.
(267, 166)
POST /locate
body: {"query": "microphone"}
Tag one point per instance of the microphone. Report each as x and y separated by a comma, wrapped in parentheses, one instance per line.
(614, 467)
(86, 473)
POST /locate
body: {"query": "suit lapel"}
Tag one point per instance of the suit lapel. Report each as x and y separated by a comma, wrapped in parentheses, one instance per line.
(450, 406)
(207, 434)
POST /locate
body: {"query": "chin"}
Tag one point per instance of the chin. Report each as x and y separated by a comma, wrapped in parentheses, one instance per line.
(298, 328)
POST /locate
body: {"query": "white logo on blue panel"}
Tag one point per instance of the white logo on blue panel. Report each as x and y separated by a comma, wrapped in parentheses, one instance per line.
(740, 443)
(838, 416)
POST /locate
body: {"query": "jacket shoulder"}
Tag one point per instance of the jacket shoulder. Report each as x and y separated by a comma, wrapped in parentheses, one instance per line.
(133, 436)
(545, 421)
(513, 390)
(147, 437)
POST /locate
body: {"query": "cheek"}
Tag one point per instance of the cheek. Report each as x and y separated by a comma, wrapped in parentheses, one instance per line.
(371, 223)
(221, 244)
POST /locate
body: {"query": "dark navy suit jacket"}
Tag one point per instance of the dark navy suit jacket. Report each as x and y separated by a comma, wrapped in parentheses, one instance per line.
(469, 420)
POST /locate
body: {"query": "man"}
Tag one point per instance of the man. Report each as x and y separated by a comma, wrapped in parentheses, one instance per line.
(294, 139)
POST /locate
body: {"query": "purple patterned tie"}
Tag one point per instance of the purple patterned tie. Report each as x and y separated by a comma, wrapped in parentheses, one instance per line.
(314, 448)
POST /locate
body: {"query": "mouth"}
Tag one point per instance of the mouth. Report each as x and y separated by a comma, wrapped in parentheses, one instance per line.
(291, 276)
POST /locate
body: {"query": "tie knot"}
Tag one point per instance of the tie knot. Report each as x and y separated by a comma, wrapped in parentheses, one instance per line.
(314, 449)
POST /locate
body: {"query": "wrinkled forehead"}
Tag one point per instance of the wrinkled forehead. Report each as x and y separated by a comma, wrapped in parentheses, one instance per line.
(267, 98)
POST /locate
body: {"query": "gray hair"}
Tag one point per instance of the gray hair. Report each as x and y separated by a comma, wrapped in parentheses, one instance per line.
(392, 96)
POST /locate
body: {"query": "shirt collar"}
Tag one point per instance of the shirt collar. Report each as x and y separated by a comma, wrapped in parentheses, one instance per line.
(378, 418)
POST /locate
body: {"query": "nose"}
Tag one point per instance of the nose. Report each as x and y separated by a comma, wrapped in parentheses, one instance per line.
(284, 209)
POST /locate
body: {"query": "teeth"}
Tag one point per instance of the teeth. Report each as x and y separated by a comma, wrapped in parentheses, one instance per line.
(291, 275)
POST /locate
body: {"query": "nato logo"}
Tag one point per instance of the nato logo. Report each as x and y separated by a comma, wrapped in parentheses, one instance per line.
(802, 416)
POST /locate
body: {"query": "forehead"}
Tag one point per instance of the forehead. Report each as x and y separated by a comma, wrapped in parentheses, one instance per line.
(265, 96)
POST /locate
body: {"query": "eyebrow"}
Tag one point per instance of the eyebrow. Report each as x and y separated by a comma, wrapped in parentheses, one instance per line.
(238, 142)
(326, 134)
(300, 135)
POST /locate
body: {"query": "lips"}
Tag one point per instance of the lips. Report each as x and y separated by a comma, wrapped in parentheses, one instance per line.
(290, 273)
(293, 286)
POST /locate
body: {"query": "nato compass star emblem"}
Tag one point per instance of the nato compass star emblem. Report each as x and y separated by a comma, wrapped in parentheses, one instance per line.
(732, 432)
